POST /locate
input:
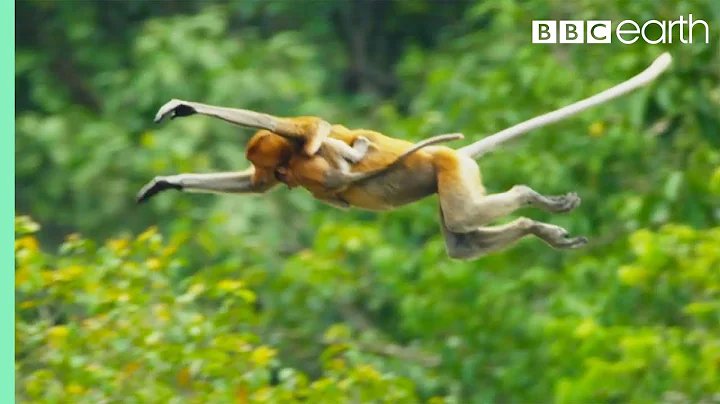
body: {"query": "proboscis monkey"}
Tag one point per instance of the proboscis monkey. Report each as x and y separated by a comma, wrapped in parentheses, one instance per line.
(398, 172)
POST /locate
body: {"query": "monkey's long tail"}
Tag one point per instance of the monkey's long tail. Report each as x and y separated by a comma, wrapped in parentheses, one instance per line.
(489, 143)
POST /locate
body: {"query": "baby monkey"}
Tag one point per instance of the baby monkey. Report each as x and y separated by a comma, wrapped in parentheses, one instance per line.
(340, 155)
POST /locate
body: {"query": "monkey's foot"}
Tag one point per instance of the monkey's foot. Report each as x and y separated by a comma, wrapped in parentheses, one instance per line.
(154, 187)
(174, 108)
(563, 203)
(361, 143)
(556, 236)
(360, 146)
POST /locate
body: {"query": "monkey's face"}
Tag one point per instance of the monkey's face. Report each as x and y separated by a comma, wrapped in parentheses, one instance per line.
(268, 150)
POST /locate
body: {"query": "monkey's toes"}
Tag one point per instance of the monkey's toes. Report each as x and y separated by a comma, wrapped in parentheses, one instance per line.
(574, 242)
(558, 237)
(565, 203)
(579, 241)
(362, 141)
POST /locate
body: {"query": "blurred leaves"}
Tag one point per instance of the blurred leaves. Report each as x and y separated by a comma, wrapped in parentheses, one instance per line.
(101, 327)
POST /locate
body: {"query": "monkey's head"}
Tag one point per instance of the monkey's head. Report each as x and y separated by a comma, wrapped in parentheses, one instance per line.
(271, 153)
(268, 150)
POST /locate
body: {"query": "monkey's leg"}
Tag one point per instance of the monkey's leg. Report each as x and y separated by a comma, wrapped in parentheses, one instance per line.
(486, 240)
(226, 182)
(466, 207)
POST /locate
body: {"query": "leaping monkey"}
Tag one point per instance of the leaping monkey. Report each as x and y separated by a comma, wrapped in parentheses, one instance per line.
(368, 170)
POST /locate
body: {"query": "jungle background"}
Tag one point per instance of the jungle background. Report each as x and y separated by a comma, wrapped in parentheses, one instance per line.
(279, 298)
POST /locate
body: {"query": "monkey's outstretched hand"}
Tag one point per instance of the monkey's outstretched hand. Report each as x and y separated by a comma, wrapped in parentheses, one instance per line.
(312, 130)
(175, 108)
(247, 181)
(154, 187)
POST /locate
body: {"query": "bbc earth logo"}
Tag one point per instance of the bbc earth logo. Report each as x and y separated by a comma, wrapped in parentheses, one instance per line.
(627, 31)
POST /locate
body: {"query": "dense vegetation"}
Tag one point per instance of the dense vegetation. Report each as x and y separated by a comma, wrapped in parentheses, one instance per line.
(278, 298)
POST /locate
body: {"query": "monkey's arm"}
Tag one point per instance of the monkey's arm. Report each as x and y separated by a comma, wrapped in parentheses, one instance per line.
(341, 154)
(248, 181)
(485, 145)
(313, 130)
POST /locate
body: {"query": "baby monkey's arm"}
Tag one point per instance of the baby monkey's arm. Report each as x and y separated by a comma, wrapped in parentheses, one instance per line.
(340, 155)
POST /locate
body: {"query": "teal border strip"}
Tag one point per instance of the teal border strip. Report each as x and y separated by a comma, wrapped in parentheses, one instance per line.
(7, 170)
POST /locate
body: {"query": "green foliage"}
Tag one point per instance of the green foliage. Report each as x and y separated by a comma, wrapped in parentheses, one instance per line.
(111, 322)
(278, 298)
(655, 334)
